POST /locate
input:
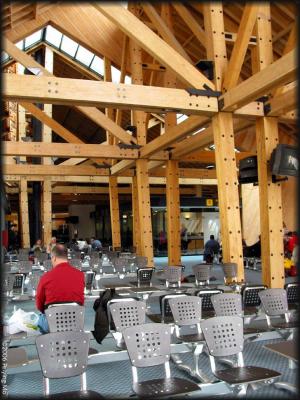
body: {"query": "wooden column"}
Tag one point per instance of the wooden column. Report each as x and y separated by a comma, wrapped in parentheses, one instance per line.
(109, 112)
(172, 171)
(21, 115)
(135, 216)
(223, 132)
(47, 131)
(142, 178)
(269, 193)
(114, 211)
(47, 210)
(173, 212)
(23, 199)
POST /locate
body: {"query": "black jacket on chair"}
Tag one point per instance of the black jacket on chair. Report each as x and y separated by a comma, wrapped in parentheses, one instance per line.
(101, 327)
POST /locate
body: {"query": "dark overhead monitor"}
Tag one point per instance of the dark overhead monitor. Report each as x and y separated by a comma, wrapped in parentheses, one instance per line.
(284, 160)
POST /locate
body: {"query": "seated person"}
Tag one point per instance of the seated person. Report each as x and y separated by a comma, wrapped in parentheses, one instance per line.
(211, 248)
(63, 284)
(96, 244)
(37, 248)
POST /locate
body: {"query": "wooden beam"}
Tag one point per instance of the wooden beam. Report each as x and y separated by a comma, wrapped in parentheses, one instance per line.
(240, 46)
(176, 133)
(114, 211)
(270, 197)
(47, 210)
(31, 169)
(283, 103)
(155, 46)
(223, 132)
(68, 150)
(164, 30)
(93, 113)
(136, 237)
(277, 74)
(23, 200)
(191, 22)
(105, 94)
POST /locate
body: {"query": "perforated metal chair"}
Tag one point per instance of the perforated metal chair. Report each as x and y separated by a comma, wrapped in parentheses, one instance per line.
(173, 275)
(89, 277)
(19, 280)
(47, 264)
(75, 254)
(251, 300)
(148, 345)
(202, 274)
(41, 257)
(117, 333)
(187, 312)
(292, 291)
(23, 254)
(120, 265)
(65, 317)
(25, 267)
(64, 355)
(8, 284)
(230, 272)
(76, 263)
(207, 306)
(224, 337)
(141, 261)
(34, 281)
(165, 315)
(275, 304)
(144, 276)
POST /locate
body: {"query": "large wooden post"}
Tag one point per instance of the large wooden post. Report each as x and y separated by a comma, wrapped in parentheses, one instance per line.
(142, 176)
(47, 131)
(269, 193)
(135, 217)
(172, 171)
(47, 210)
(224, 142)
(25, 238)
(114, 211)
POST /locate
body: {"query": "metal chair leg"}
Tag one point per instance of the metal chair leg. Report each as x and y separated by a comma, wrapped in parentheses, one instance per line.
(286, 386)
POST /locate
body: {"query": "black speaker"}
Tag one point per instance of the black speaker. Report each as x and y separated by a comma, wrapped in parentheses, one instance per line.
(249, 162)
(248, 176)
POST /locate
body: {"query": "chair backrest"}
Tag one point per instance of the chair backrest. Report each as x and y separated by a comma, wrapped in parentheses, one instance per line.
(227, 304)
(230, 270)
(63, 354)
(23, 257)
(75, 254)
(47, 264)
(144, 275)
(250, 295)
(127, 314)
(25, 266)
(186, 310)
(205, 295)
(292, 291)
(8, 282)
(89, 277)
(173, 274)
(111, 324)
(34, 280)
(42, 257)
(202, 273)
(120, 264)
(274, 301)
(223, 335)
(141, 261)
(19, 280)
(165, 308)
(148, 344)
(65, 317)
(76, 263)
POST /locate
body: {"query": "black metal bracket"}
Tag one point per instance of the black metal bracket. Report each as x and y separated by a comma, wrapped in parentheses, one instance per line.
(267, 108)
(220, 104)
(275, 180)
(131, 146)
(263, 99)
(206, 92)
(207, 68)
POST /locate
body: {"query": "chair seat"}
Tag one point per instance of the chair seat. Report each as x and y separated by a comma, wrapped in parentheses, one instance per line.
(89, 394)
(239, 375)
(208, 313)
(195, 337)
(248, 330)
(164, 387)
(157, 318)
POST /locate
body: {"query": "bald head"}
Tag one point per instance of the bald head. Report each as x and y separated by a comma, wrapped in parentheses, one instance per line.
(59, 254)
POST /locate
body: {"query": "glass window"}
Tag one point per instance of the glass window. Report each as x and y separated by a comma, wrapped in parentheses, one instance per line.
(34, 38)
(69, 46)
(83, 55)
(115, 75)
(128, 80)
(53, 36)
(98, 65)
(20, 44)
(181, 118)
(4, 57)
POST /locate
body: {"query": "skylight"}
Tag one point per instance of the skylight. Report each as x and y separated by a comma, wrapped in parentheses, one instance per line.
(98, 65)
(34, 38)
(115, 75)
(53, 36)
(69, 46)
(85, 56)
(181, 118)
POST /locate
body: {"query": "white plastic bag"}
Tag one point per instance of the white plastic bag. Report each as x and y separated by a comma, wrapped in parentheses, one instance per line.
(22, 321)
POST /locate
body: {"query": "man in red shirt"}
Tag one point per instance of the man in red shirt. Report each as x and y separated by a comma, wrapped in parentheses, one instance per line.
(63, 283)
